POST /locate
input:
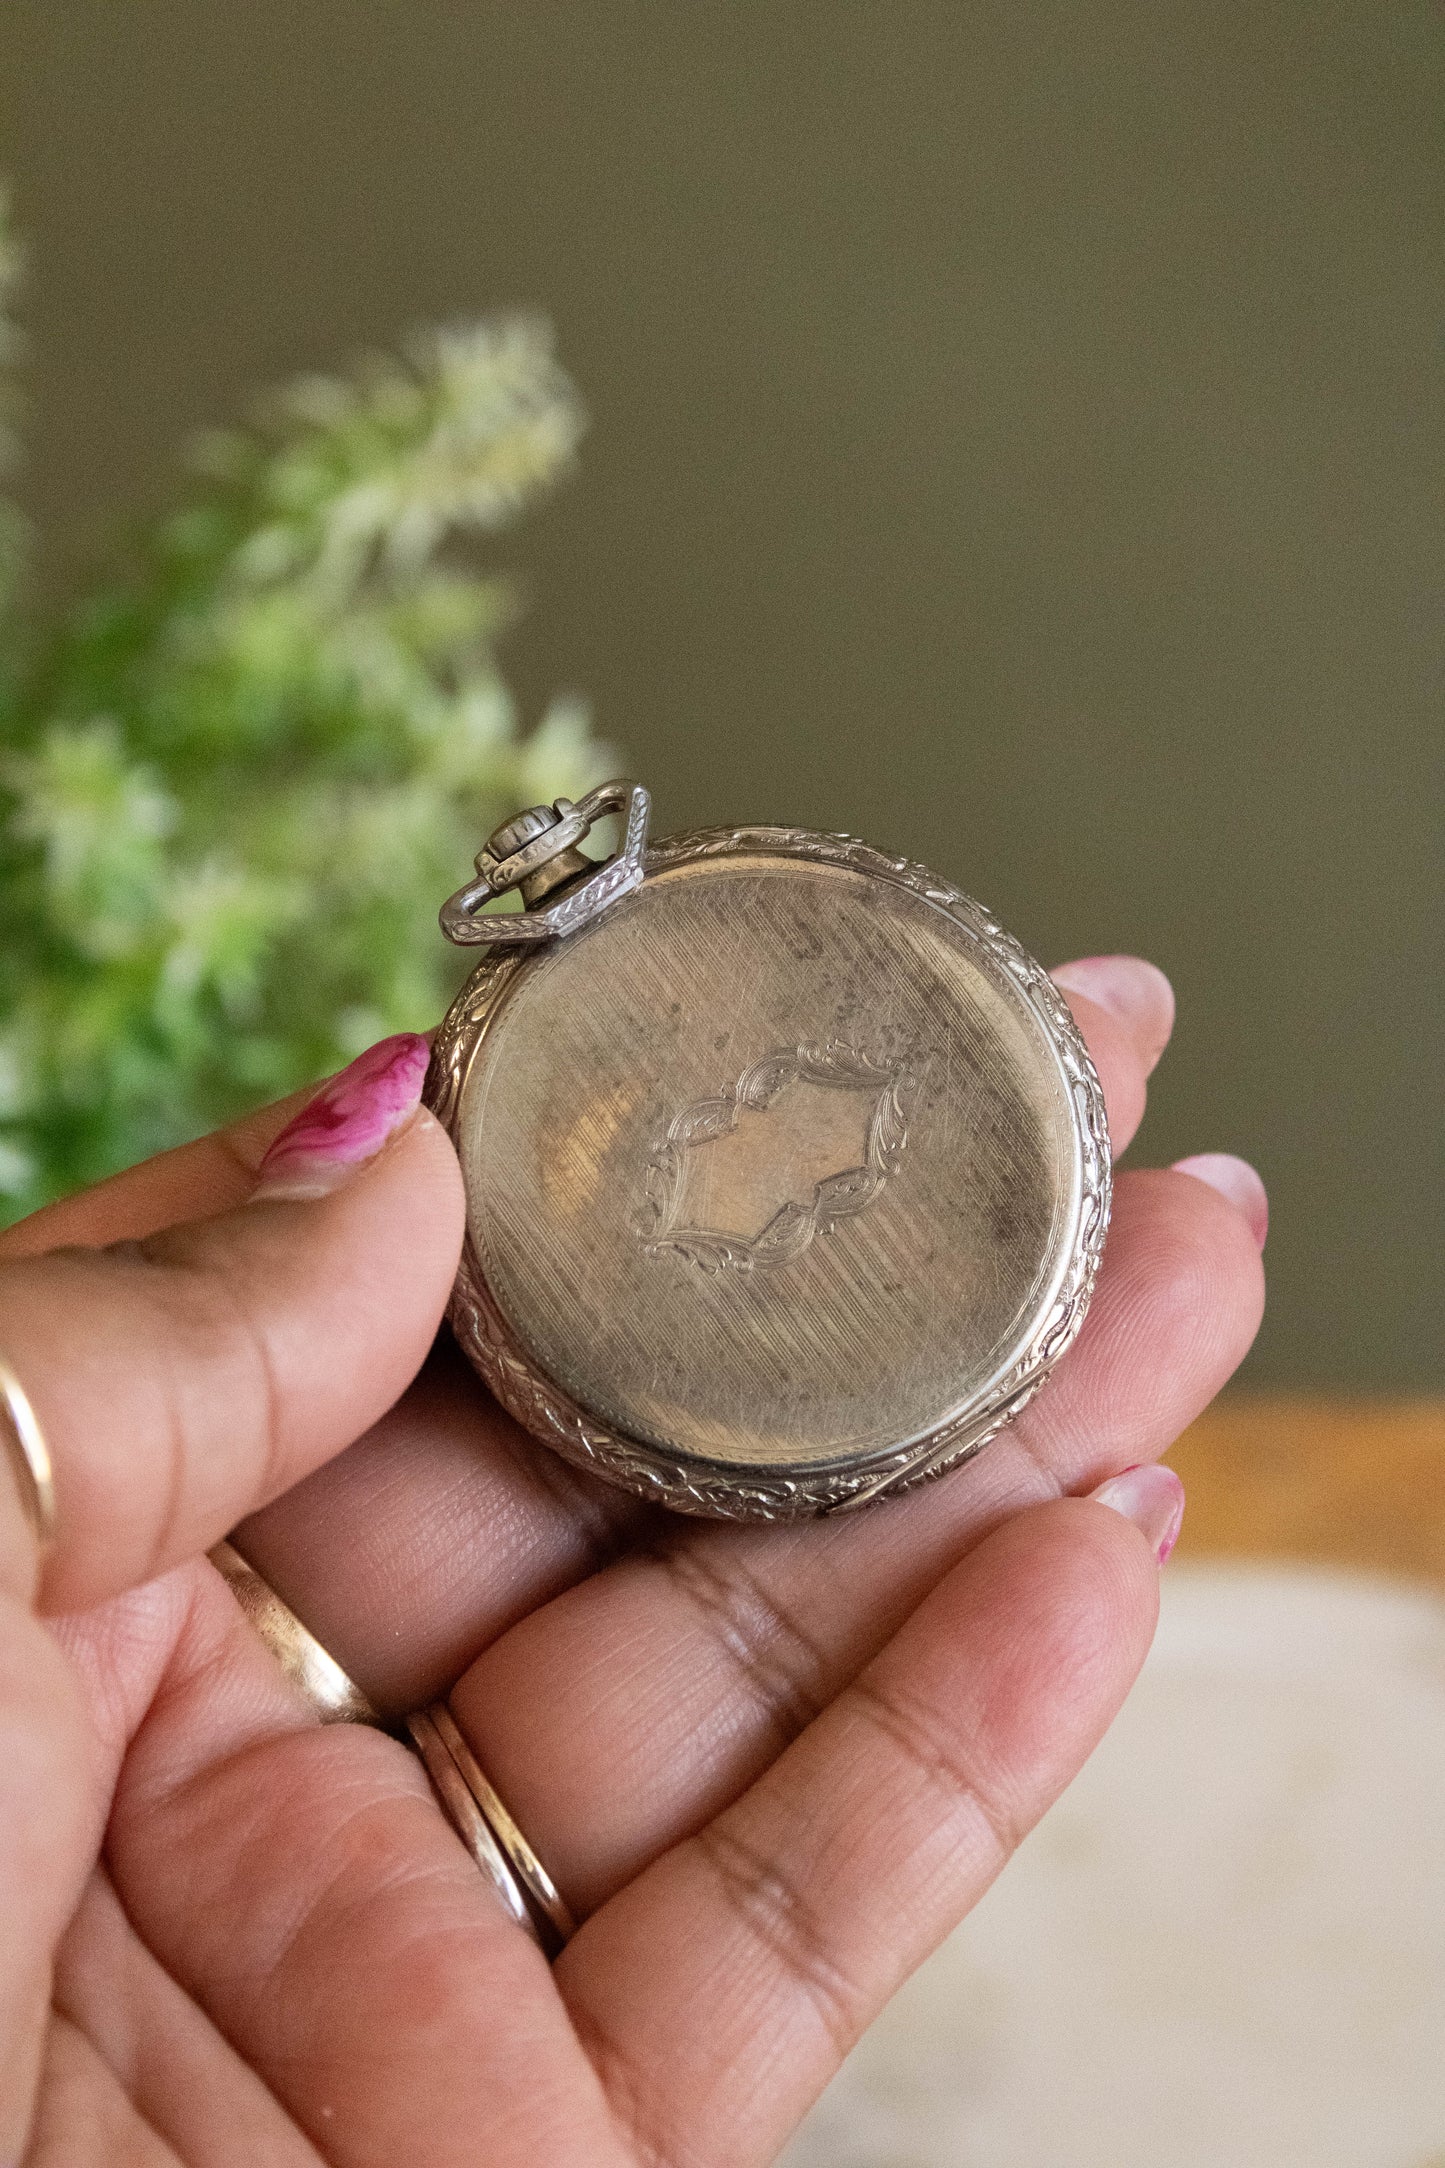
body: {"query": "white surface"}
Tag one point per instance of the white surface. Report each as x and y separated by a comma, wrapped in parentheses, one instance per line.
(1225, 1947)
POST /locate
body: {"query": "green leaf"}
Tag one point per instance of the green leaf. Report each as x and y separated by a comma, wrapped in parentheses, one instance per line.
(242, 778)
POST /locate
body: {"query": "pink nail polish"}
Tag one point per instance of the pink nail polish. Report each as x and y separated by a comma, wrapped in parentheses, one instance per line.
(1236, 1181)
(348, 1121)
(1152, 1497)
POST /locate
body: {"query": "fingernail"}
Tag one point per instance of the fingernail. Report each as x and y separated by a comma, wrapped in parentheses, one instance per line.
(1235, 1180)
(1152, 1497)
(348, 1122)
(1131, 989)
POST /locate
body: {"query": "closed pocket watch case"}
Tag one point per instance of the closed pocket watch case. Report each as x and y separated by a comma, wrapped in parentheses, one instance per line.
(787, 1171)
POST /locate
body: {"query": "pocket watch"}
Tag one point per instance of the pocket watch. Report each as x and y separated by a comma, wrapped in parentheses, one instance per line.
(787, 1173)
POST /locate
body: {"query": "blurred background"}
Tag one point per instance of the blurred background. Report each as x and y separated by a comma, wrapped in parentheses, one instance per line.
(1014, 434)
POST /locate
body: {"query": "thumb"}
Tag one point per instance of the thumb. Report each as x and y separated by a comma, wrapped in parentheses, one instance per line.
(184, 1380)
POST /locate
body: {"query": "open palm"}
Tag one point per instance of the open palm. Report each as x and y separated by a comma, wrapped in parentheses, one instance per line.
(769, 1767)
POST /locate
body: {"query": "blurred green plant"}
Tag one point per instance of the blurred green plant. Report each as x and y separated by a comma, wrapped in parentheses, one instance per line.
(237, 784)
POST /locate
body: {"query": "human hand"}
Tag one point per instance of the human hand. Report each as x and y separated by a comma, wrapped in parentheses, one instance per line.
(769, 1767)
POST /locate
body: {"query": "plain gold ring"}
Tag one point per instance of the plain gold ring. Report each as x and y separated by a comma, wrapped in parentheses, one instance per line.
(311, 1668)
(30, 1457)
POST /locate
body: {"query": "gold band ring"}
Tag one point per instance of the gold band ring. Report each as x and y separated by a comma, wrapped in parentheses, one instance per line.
(335, 1698)
(30, 1457)
(460, 1807)
(487, 1830)
(548, 1906)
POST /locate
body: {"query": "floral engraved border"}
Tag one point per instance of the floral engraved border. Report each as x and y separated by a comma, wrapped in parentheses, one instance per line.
(792, 1227)
(737, 1491)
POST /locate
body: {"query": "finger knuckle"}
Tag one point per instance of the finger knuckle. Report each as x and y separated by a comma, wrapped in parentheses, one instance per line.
(775, 1910)
(211, 1362)
(784, 1668)
(934, 1755)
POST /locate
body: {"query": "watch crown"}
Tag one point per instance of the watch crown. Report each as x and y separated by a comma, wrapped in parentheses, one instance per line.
(536, 854)
(524, 826)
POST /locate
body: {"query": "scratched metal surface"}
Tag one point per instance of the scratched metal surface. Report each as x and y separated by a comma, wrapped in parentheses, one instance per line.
(768, 1165)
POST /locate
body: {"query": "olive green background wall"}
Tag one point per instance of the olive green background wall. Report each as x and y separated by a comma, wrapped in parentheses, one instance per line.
(1015, 430)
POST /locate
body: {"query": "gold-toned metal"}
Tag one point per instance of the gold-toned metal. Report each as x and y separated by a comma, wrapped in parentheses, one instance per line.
(335, 1698)
(469, 1822)
(787, 1174)
(530, 1872)
(29, 1456)
(558, 870)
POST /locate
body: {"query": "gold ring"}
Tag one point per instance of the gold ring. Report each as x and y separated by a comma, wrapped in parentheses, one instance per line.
(30, 1456)
(467, 1819)
(529, 1870)
(335, 1698)
(527, 1892)
(486, 1828)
